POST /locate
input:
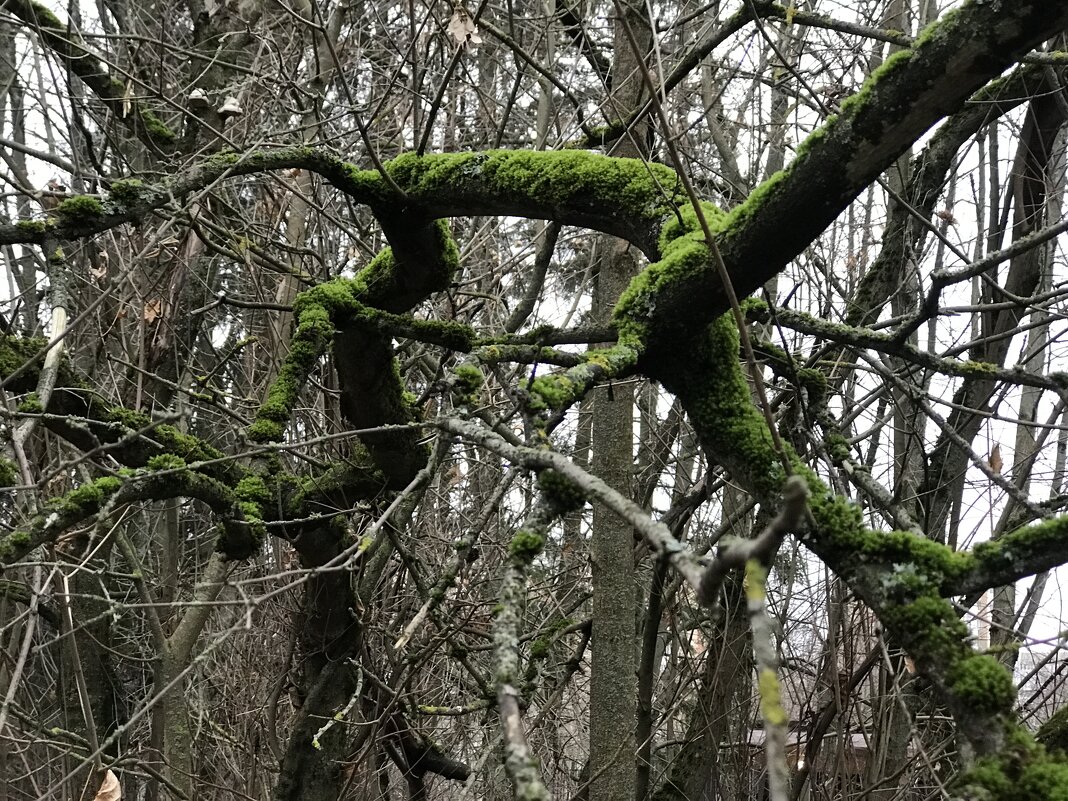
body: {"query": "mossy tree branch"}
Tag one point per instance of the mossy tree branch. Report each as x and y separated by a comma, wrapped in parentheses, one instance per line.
(897, 104)
(164, 481)
(165, 463)
(904, 577)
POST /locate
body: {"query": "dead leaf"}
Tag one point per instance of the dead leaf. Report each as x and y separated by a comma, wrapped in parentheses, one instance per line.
(995, 460)
(453, 476)
(110, 790)
(946, 215)
(462, 28)
(153, 310)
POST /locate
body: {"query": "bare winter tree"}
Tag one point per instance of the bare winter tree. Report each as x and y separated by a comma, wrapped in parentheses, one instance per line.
(533, 400)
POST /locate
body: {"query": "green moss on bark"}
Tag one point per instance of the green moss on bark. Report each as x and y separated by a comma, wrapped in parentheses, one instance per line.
(126, 191)
(80, 209)
(1022, 769)
(562, 493)
(9, 473)
(650, 190)
(525, 546)
(982, 684)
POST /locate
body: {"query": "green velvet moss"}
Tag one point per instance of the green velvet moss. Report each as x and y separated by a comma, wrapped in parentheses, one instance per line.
(166, 461)
(982, 684)
(34, 227)
(718, 401)
(126, 191)
(1019, 546)
(1023, 769)
(525, 546)
(9, 473)
(157, 128)
(15, 352)
(555, 391)
(563, 494)
(80, 209)
(31, 404)
(650, 190)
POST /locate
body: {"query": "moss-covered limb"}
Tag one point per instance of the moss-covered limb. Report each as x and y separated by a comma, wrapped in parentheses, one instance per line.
(1054, 732)
(339, 313)
(373, 395)
(1024, 552)
(423, 258)
(927, 177)
(137, 441)
(836, 446)
(559, 391)
(1022, 769)
(625, 197)
(78, 415)
(520, 765)
(130, 201)
(709, 381)
(165, 479)
(548, 335)
(901, 575)
(684, 257)
(449, 334)
(21, 360)
(885, 343)
(81, 60)
(526, 354)
(898, 102)
(342, 486)
(531, 348)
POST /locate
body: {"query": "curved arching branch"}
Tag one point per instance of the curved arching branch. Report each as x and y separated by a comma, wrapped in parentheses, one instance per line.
(111, 491)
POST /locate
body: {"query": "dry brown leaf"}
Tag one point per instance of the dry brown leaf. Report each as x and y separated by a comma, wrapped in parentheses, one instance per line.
(110, 790)
(453, 476)
(946, 215)
(462, 28)
(995, 461)
(153, 310)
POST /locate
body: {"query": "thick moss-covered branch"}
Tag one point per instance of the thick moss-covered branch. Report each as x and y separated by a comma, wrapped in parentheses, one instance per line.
(624, 197)
(336, 314)
(904, 231)
(900, 575)
(912, 90)
(143, 445)
(78, 415)
(165, 478)
(1024, 552)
